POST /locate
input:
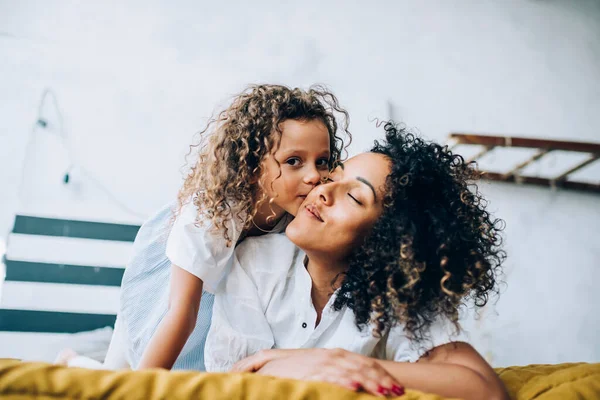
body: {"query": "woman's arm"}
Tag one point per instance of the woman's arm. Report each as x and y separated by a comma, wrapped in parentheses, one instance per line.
(337, 366)
(451, 370)
(177, 324)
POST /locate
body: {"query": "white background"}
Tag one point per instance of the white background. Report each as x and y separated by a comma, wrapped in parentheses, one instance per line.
(136, 80)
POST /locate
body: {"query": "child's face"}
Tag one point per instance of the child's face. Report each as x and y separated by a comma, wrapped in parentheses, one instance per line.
(303, 157)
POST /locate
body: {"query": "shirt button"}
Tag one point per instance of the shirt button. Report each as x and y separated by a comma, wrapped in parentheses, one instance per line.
(304, 325)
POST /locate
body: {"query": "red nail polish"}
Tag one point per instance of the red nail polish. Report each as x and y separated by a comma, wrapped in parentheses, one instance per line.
(382, 390)
(399, 391)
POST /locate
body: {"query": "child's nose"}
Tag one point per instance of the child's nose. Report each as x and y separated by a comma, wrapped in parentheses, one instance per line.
(312, 176)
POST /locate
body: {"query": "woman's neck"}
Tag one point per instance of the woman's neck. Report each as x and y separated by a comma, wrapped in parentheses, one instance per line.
(327, 276)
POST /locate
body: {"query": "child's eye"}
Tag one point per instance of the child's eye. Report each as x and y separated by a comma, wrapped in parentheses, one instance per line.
(294, 162)
(323, 163)
(355, 199)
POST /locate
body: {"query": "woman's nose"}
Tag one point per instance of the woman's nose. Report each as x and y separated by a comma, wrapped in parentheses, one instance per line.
(324, 193)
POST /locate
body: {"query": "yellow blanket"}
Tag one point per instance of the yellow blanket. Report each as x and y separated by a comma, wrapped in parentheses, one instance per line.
(19, 380)
(548, 382)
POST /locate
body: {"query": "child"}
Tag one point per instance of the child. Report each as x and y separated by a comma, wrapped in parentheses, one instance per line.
(266, 152)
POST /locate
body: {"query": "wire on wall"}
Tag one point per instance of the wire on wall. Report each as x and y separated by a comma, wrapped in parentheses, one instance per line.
(42, 123)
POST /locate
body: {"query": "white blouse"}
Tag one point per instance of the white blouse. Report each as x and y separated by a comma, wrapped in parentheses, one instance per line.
(265, 302)
(202, 250)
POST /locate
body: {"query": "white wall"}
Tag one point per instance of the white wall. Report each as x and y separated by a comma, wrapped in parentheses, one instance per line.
(136, 80)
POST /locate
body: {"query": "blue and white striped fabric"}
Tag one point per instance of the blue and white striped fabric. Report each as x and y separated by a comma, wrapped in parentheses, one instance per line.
(145, 295)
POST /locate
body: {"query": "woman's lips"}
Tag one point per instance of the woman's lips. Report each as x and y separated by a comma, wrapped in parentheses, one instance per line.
(312, 210)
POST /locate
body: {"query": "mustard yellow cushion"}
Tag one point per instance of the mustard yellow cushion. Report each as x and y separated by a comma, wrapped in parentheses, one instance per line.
(23, 381)
(20, 380)
(549, 382)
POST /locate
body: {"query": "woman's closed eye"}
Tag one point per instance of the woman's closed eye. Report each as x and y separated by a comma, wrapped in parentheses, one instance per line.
(327, 179)
(355, 199)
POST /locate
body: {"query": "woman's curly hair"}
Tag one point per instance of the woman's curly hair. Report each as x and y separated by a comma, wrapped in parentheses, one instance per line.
(434, 248)
(223, 180)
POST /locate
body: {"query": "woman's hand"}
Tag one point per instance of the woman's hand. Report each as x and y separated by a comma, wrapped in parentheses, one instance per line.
(354, 371)
(256, 361)
(337, 366)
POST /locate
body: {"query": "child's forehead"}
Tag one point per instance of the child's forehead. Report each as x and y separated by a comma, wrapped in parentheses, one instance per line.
(311, 133)
(302, 126)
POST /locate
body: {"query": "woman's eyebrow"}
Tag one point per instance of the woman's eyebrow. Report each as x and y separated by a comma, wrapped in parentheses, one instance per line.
(366, 182)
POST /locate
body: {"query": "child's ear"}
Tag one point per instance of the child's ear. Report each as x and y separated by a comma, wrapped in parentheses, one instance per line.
(254, 178)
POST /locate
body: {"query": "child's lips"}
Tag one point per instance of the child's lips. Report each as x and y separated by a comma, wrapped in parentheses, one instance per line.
(302, 198)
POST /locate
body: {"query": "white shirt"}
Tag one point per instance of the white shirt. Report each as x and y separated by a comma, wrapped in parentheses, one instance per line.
(202, 250)
(265, 302)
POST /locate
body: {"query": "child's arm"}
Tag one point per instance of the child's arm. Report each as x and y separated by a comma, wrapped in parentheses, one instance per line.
(177, 324)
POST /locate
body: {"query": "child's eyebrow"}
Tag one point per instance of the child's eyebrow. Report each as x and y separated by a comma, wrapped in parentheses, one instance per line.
(303, 152)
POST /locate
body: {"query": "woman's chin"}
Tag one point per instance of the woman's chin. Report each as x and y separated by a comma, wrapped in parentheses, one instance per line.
(299, 233)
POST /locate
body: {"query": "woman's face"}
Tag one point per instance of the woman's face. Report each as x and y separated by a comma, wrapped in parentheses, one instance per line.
(337, 215)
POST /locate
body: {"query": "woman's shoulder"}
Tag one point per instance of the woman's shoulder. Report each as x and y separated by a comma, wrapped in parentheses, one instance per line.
(441, 331)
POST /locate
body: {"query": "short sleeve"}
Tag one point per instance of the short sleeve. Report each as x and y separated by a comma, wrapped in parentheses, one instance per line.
(400, 348)
(199, 248)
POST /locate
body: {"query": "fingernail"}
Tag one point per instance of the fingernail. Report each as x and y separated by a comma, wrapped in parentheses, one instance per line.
(382, 390)
(399, 391)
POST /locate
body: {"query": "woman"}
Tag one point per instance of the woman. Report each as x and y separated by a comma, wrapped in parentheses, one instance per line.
(388, 251)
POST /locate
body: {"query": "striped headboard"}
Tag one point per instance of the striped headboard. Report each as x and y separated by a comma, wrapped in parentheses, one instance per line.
(62, 277)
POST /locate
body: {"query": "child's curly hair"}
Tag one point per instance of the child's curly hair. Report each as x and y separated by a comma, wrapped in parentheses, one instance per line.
(223, 181)
(434, 247)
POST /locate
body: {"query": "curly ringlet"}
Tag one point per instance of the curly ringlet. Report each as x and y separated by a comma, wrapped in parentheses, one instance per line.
(224, 179)
(434, 249)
